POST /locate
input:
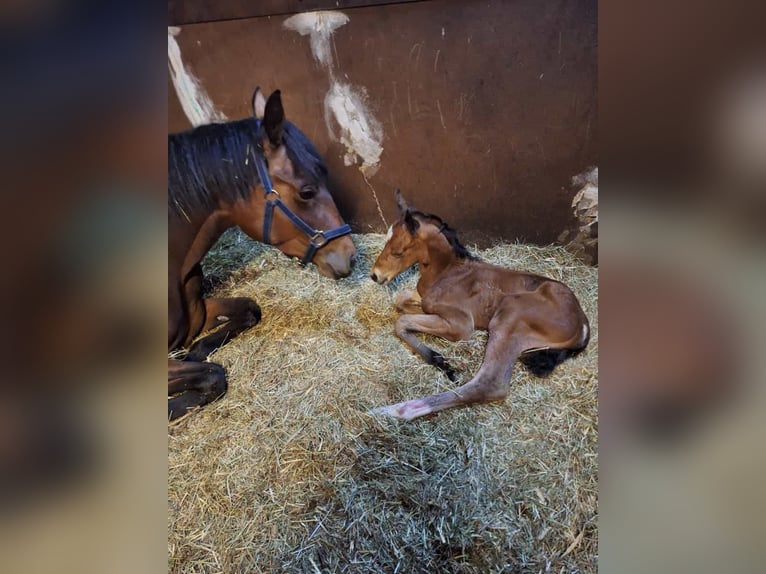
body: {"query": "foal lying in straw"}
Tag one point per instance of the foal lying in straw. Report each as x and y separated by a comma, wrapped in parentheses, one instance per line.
(531, 318)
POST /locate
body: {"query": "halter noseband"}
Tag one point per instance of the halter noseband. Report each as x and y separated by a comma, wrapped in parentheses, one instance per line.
(317, 238)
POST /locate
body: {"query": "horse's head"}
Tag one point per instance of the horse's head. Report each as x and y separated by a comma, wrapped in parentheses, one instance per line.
(299, 177)
(403, 247)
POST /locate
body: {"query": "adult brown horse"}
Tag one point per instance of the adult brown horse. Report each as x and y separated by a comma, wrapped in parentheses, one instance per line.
(213, 173)
(531, 318)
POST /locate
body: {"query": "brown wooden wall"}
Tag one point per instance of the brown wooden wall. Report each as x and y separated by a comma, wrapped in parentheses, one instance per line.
(487, 108)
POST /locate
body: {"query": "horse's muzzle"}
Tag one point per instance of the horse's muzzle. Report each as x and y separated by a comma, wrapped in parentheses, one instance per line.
(336, 264)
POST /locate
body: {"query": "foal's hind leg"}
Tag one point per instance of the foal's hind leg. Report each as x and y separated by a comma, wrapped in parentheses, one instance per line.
(491, 383)
(193, 384)
(232, 315)
(454, 330)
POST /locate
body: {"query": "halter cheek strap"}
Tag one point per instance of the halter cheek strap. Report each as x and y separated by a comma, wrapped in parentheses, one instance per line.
(317, 238)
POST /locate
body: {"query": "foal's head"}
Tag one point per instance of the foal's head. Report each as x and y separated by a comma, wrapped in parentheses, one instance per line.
(299, 176)
(414, 238)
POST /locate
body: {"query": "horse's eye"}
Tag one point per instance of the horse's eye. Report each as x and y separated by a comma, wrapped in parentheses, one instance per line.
(307, 192)
(397, 255)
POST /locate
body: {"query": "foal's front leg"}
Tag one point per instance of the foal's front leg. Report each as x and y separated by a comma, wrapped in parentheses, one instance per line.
(233, 315)
(408, 301)
(453, 330)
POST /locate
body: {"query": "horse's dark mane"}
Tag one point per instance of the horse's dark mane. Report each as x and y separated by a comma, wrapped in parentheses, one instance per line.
(215, 162)
(450, 234)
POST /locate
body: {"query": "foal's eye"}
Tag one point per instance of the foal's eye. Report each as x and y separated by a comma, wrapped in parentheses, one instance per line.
(307, 192)
(397, 255)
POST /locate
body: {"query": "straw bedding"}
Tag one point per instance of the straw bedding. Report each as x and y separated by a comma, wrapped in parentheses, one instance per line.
(287, 472)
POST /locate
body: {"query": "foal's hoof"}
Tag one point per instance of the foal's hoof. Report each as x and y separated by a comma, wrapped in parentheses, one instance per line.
(439, 362)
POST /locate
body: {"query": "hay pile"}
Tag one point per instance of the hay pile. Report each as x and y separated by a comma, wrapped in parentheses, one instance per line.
(287, 473)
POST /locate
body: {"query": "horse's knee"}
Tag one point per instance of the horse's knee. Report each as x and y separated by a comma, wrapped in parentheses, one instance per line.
(408, 301)
(239, 312)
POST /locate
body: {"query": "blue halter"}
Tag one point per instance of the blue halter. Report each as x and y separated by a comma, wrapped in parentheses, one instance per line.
(317, 238)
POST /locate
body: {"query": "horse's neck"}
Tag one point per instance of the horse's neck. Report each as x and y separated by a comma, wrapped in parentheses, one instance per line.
(203, 232)
(438, 259)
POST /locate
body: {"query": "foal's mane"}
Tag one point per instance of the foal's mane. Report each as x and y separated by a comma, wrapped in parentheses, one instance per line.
(450, 234)
(216, 162)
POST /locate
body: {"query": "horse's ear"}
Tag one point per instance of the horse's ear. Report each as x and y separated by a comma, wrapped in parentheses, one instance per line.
(273, 118)
(400, 203)
(259, 103)
(410, 222)
(405, 214)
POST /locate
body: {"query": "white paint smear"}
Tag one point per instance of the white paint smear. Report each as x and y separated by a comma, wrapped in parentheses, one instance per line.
(196, 104)
(319, 26)
(590, 176)
(358, 129)
(346, 114)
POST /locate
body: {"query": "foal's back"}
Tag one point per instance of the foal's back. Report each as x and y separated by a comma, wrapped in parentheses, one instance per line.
(489, 292)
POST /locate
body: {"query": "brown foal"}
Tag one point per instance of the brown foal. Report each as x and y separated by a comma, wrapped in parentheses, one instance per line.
(531, 318)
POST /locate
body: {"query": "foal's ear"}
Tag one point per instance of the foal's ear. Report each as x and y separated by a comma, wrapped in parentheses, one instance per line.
(411, 223)
(259, 103)
(273, 118)
(400, 203)
(405, 214)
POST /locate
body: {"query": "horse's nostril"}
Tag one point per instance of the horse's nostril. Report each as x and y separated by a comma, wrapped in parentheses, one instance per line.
(374, 277)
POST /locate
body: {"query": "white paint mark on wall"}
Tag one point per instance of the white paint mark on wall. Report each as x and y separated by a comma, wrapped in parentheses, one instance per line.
(319, 26)
(347, 115)
(590, 176)
(196, 104)
(358, 130)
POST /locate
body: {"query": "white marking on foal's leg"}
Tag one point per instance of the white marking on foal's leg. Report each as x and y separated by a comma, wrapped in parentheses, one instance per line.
(407, 410)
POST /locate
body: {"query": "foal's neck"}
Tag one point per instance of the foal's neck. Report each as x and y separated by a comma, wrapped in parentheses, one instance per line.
(438, 258)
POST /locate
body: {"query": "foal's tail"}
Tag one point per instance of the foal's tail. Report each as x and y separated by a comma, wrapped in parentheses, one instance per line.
(542, 361)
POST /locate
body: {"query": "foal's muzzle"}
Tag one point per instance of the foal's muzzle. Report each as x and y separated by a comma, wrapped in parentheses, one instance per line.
(379, 278)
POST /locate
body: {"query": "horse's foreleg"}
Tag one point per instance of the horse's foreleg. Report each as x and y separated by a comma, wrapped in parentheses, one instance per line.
(193, 384)
(491, 383)
(232, 316)
(409, 302)
(408, 325)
